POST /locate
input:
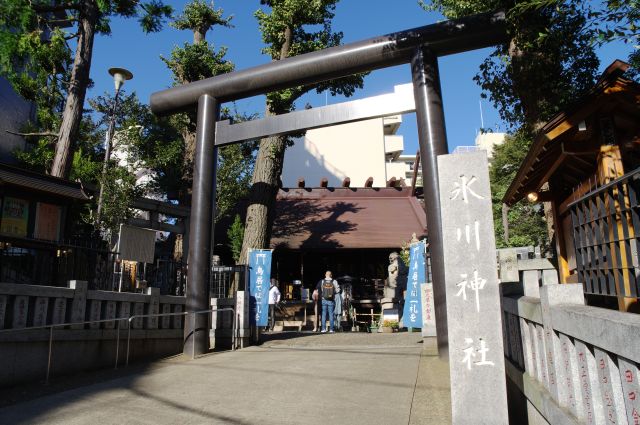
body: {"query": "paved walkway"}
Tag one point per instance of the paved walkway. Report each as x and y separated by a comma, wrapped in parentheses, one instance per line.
(348, 378)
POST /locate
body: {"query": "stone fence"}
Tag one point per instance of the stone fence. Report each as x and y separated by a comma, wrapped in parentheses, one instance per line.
(24, 351)
(221, 333)
(574, 364)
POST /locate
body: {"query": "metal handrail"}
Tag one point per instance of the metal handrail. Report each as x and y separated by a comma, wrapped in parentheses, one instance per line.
(52, 326)
(193, 326)
(119, 320)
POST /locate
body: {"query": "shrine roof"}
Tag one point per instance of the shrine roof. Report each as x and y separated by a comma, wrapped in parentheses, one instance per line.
(567, 146)
(25, 179)
(346, 218)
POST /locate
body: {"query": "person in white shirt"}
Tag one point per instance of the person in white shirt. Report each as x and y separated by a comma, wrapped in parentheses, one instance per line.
(274, 298)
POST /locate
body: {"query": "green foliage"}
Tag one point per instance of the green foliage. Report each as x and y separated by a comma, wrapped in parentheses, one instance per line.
(198, 16)
(193, 62)
(235, 169)
(170, 155)
(405, 252)
(119, 192)
(549, 60)
(536, 26)
(393, 324)
(526, 222)
(36, 59)
(295, 27)
(236, 235)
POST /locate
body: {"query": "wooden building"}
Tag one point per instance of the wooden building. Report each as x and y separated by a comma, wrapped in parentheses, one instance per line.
(33, 223)
(350, 231)
(585, 162)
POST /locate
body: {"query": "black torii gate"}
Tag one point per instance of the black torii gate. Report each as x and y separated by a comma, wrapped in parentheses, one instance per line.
(420, 47)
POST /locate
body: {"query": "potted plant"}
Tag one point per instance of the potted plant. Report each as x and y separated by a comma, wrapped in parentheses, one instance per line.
(389, 326)
(373, 327)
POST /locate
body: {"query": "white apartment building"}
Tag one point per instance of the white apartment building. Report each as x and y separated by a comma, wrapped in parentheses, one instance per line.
(485, 142)
(357, 150)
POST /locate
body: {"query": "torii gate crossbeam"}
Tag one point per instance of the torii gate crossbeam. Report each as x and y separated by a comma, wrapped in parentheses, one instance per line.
(420, 47)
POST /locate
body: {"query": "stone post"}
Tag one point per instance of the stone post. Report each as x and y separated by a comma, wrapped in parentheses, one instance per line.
(59, 311)
(476, 353)
(138, 310)
(110, 313)
(508, 259)
(3, 309)
(79, 302)
(629, 375)
(20, 311)
(558, 377)
(243, 331)
(428, 310)
(95, 310)
(124, 312)
(166, 320)
(41, 308)
(177, 319)
(154, 307)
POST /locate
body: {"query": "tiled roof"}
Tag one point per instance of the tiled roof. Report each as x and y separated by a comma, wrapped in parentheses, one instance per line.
(345, 218)
(39, 182)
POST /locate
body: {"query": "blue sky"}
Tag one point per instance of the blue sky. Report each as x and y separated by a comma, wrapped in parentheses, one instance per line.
(358, 19)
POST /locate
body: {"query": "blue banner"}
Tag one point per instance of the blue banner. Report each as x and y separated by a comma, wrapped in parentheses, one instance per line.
(412, 313)
(259, 278)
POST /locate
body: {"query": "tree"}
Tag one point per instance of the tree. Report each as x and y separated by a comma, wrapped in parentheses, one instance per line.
(287, 30)
(526, 222)
(193, 62)
(120, 185)
(236, 235)
(31, 28)
(548, 61)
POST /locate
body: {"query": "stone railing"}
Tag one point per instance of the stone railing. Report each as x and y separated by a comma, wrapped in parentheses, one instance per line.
(24, 350)
(26, 306)
(573, 363)
(222, 322)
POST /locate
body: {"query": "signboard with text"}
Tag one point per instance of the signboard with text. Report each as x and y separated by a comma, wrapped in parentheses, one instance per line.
(259, 277)
(412, 313)
(474, 316)
(15, 217)
(47, 222)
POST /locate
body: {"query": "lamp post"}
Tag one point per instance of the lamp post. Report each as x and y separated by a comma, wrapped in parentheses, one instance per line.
(120, 75)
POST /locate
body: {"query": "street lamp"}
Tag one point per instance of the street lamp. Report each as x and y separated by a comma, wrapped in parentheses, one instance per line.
(120, 75)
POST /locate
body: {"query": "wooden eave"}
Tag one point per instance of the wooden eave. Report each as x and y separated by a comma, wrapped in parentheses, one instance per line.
(558, 145)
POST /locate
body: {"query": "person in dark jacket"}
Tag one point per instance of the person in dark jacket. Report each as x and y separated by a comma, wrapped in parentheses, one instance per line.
(327, 289)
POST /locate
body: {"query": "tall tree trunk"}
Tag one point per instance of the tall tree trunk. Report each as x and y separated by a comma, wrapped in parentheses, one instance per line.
(265, 182)
(262, 197)
(72, 115)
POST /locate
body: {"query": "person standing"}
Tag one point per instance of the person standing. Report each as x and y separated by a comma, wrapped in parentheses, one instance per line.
(274, 298)
(327, 290)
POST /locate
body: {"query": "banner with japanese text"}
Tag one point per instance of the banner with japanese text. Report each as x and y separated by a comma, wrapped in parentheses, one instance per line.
(15, 217)
(259, 277)
(412, 313)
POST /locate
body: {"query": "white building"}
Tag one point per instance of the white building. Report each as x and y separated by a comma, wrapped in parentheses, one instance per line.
(485, 142)
(357, 150)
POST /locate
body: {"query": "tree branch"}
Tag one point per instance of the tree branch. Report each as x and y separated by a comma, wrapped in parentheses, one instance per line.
(61, 22)
(42, 134)
(43, 8)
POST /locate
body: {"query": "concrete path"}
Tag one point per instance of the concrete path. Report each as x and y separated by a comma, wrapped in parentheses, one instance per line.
(348, 378)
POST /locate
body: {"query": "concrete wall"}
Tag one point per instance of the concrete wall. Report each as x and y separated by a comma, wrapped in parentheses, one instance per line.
(573, 363)
(79, 347)
(14, 113)
(354, 150)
